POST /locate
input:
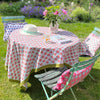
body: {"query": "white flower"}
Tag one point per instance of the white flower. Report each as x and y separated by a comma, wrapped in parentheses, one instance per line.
(51, 1)
(89, 7)
(83, 9)
(72, 3)
(29, 2)
(62, 4)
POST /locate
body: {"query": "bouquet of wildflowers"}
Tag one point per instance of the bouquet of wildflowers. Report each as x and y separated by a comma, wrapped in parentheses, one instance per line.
(53, 14)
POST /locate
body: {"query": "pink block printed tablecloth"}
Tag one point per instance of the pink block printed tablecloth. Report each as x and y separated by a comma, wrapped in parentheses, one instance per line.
(27, 53)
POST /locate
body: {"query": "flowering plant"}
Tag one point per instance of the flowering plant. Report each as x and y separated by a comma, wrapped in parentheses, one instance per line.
(53, 14)
(31, 11)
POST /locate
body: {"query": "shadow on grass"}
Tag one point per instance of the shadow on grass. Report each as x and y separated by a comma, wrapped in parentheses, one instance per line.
(85, 90)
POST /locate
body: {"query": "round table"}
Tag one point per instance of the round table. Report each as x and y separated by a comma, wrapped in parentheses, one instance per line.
(27, 53)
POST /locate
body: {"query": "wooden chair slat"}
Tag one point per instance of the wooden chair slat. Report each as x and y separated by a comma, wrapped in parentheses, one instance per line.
(48, 73)
(52, 81)
(51, 85)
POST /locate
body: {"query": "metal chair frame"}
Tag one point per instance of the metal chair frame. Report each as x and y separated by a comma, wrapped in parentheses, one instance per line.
(76, 67)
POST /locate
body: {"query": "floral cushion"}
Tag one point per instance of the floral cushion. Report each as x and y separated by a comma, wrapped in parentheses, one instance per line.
(92, 43)
(76, 78)
(9, 27)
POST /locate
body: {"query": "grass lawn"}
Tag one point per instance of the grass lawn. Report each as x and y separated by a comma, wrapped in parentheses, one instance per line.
(86, 90)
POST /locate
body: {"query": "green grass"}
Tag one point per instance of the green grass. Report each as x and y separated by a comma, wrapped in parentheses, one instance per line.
(86, 90)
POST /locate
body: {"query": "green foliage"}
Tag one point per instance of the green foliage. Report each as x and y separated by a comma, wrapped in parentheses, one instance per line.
(95, 12)
(44, 4)
(2, 8)
(11, 8)
(10, 0)
(66, 2)
(81, 14)
(37, 3)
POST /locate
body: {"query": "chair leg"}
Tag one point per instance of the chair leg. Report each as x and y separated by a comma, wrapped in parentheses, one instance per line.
(73, 93)
(45, 91)
(45, 70)
(51, 92)
(91, 77)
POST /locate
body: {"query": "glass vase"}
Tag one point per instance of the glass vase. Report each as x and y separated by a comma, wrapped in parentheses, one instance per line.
(54, 27)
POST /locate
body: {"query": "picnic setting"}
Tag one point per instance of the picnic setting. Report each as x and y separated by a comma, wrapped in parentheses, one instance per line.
(50, 50)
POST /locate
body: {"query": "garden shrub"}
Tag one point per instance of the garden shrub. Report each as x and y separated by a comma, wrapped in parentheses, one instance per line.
(69, 9)
(44, 4)
(3, 7)
(37, 3)
(96, 12)
(11, 8)
(10, 0)
(66, 2)
(67, 18)
(30, 11)
(81, 14)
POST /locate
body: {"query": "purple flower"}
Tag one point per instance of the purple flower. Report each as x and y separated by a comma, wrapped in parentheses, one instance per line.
(10, 4)
(91, 4)
(30, 11)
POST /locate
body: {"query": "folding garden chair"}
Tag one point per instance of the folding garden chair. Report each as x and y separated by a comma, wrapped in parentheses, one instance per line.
(11, 23)
(92, 42)
(61, 79)
(97, 30)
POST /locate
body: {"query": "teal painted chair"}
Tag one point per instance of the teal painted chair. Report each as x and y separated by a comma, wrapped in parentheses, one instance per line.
(15, 19)
(61, 79)
(93, 44)
(12, 23)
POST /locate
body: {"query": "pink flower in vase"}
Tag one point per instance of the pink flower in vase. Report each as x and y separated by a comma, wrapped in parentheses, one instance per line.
(56, 13)
(45, 12)
(64, 11)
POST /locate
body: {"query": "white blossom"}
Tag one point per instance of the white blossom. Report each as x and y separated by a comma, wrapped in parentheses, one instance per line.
(62, 4)
(29, 2)
(72, 3)
(89, 7)
(51, 1)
